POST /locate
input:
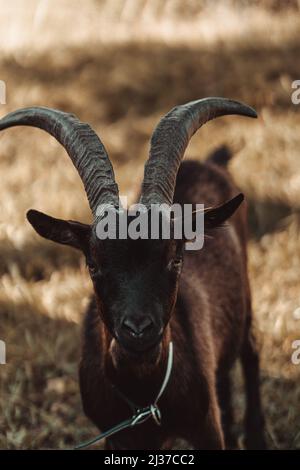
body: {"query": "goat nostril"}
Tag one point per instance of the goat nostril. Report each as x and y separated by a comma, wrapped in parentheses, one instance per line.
(137, 327)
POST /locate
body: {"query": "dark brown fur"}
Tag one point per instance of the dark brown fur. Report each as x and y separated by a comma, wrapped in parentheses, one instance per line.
(210, 327)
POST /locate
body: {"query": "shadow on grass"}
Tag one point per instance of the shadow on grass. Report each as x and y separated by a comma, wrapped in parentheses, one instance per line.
(37, 260)
(143, 79)
(39, 394)
(267, 216)
(280, 408)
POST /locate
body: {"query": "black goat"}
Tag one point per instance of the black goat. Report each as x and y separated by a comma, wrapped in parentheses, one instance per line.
(146, 296)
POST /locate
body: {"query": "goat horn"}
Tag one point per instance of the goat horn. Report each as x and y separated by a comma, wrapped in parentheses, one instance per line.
(170, 139)
(83, 146)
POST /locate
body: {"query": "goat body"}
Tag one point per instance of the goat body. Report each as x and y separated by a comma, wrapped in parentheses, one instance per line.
(149, 292)
(209, 327)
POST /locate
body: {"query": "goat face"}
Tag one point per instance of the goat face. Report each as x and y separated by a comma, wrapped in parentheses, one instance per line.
(135, 281)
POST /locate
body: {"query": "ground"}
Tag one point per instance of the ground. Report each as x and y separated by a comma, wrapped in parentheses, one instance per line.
(121, 71)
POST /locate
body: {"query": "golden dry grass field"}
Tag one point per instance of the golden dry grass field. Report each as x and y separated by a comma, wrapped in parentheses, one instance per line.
(120, 65)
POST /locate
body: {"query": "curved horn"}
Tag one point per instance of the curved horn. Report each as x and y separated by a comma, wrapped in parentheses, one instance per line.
(170, 139)
(83, 146)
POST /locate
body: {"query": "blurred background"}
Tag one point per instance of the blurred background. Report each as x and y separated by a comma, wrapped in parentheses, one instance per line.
(120, 65)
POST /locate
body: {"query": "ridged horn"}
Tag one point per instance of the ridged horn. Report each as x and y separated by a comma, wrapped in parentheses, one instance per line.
(82, 145)
(170, 139)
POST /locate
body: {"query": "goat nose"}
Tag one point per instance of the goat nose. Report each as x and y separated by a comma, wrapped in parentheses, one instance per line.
(138, 326)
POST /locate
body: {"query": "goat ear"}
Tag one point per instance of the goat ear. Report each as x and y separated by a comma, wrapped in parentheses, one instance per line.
(218, 215)
(65, 232)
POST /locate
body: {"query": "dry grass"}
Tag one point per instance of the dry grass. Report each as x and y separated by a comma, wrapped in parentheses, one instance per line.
(122, 83)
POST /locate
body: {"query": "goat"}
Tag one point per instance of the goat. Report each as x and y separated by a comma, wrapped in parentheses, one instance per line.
(150, 292)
